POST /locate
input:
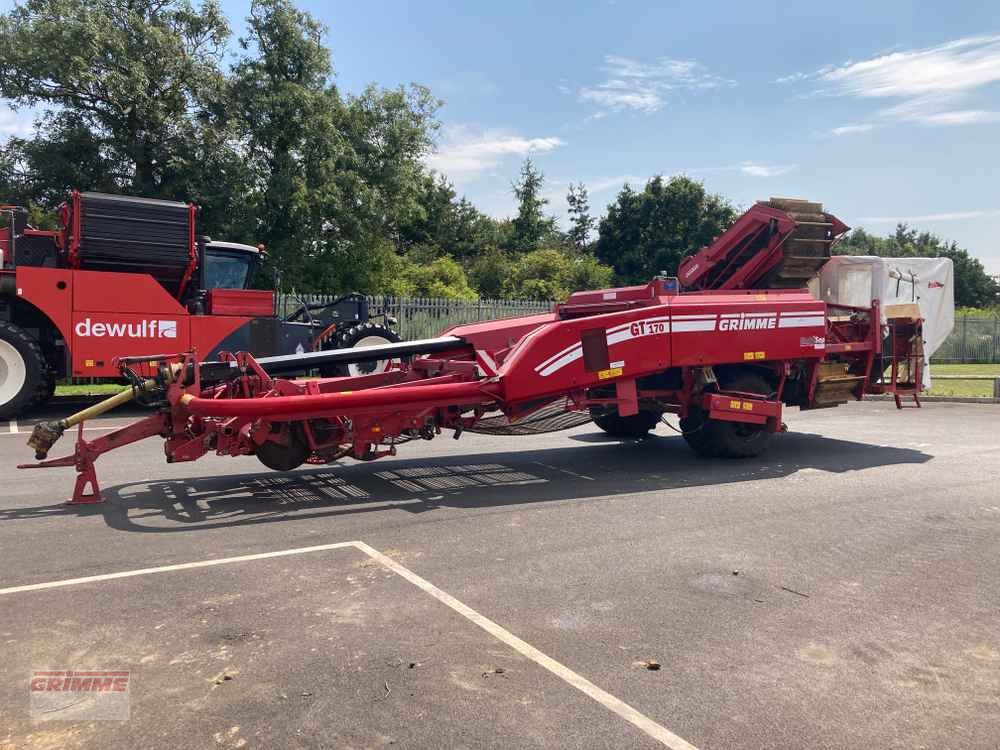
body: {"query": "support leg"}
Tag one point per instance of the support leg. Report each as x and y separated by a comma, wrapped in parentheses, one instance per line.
(85, 477)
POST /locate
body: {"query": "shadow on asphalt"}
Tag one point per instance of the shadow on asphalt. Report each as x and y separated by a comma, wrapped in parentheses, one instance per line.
(599, 467)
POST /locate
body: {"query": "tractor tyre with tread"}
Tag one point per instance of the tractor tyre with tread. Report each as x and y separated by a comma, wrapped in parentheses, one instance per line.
(286, 454)
(720, 438)
(363, 334)
(25, 376)
(632, 426)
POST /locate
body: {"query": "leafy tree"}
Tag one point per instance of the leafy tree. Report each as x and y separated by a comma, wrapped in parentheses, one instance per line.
(442, 277)
(331, 178)
(582, 224)
(129, 87)
(444, 221)
(550, 273)
(531, 227)
(489, 272)
(973, 286)
(586, 272)
(285, 117)
(647, 232)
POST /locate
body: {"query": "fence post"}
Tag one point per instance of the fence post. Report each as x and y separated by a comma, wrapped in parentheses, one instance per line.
(996, 387)
(965, 331)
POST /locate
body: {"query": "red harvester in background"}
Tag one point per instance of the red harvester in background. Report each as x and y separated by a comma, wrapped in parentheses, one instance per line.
(130, 276)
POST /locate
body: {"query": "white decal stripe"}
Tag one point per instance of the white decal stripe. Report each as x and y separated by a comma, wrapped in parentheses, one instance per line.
(686, 326)
(802, 322)
(547, 367)
(556, 356)
(801, 313)
(749, 315)
(703, 316)
(619, 336)
(486, 363)
(566, 359)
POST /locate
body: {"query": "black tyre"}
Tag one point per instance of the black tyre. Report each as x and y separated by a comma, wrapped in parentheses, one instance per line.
(288, 451)
(720, 438)
(364, 334)
(24, 373)
(694, 427)
(634, 426)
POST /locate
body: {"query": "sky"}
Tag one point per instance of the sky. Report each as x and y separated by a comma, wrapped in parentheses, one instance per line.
(884, 112)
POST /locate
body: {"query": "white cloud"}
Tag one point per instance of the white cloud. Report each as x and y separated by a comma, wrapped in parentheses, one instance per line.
(861, 127)
(927, 83)
(954, 67)
(20, 124)
(952, 216)
(643, 87)
(793, 78)
(961, 117)
(613, 183)
(752, 169)
(464, 153)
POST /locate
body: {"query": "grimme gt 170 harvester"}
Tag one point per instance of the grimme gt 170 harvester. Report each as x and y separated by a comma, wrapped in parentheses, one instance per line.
(725, 358)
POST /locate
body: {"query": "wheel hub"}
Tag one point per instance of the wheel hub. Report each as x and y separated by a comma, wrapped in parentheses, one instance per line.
(13, 372)
(367, 368)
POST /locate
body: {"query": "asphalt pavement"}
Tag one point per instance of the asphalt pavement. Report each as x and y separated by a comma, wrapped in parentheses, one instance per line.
(839, 592)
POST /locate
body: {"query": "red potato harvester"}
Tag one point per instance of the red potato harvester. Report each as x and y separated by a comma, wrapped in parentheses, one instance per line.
(725, 359)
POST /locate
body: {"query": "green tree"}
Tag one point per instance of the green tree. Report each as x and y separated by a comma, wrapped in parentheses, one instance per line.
(586, 272)
(129, 87)
(647, 232)
(973, 286)
(441, 277)
(550, 273)
(581, 223)
(285, 117)
(331, 178)
(531, 228)
(446, 222)
(489, 272)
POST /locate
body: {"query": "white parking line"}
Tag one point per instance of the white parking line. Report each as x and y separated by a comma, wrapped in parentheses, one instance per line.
(651, 728)
(657, 731)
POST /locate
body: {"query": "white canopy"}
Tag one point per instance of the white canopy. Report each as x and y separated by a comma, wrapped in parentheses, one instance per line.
(929, 282)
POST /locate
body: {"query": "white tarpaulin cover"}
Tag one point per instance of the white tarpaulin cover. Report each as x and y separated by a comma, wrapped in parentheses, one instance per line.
(858, 279)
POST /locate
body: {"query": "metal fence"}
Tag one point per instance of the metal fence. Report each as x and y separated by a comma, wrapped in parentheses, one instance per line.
(972, 340)
(422, 317)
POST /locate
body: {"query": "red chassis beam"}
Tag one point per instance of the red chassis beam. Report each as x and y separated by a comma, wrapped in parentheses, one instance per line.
(649, 349)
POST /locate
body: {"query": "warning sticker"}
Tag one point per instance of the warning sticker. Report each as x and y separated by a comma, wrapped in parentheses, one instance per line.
(812, 342)
(613, 372)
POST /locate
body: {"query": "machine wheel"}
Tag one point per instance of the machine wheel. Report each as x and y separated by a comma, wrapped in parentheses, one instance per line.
(24, 373)
(633, 426)
(364, 334)
(715, 438)
(290, 453)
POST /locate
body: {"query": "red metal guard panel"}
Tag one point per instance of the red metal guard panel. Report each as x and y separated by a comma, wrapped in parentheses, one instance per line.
(103, 291)
(731, 328)
(250, 302)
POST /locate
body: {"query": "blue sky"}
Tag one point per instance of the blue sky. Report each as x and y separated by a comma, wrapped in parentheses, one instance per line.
(883, 111)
